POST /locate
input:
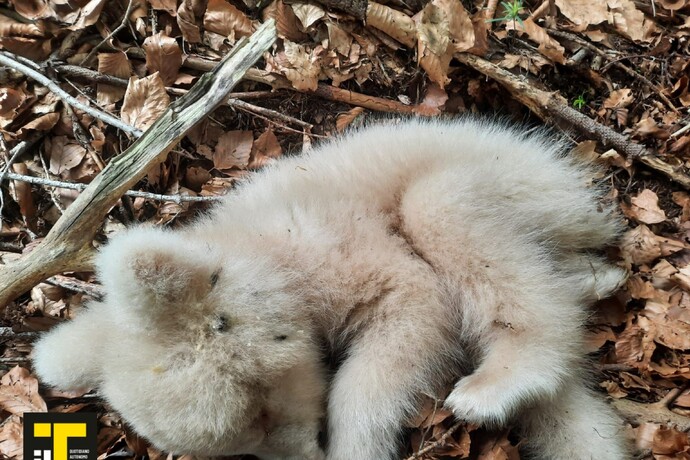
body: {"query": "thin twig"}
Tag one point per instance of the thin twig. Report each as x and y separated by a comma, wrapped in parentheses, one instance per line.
(238, 104)
(82, 137)
(681, 130)
(8, 333)
(76, 285)
(15, 153)
(122, 25)
(135, 193)
(439, 442)
(232, 101)
(620, 65)
(10, 61)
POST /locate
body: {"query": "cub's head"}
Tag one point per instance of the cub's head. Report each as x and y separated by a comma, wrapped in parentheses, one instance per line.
(201, 351)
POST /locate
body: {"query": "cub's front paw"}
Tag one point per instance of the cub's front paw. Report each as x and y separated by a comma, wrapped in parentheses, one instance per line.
(478, 402)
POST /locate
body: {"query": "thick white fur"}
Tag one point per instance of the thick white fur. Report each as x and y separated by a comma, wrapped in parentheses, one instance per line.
(422, 252)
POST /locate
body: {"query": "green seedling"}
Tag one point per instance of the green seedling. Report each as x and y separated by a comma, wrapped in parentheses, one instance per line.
(511, 12)
(580, 102)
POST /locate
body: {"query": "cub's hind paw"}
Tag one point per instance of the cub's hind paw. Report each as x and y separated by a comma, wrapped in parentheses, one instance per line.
(479, 403)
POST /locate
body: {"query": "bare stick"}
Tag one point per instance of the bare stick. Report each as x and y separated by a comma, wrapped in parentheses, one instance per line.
(68, 245)
(439, 442)
(232, 101)
(620, 65)
(122, 25)
(76, 285)
(10, 61)
(552, 107)
(323, 90)
(135, 193)
(639, 413)
(18, 149)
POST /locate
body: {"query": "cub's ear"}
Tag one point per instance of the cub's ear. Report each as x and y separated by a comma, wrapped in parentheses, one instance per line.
(68, 356)
(145, 270)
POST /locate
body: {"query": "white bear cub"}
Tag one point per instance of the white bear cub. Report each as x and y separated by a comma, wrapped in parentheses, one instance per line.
(422, 253)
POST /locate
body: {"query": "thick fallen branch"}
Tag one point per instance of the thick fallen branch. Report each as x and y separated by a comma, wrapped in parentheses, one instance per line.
(552, 107)
(639, 413)
(68, 246)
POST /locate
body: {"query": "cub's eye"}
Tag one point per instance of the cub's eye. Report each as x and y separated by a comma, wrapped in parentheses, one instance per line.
(219, 323)
(214, 277)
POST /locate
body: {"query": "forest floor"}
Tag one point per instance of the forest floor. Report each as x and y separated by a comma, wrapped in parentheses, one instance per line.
(612, 75)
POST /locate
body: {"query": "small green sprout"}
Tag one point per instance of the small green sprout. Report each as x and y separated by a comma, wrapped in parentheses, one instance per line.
(580, 102)
(511, 12)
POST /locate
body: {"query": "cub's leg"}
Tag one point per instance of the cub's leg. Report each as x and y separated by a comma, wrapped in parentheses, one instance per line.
(575, 425)
(390, 364)
(526, 358)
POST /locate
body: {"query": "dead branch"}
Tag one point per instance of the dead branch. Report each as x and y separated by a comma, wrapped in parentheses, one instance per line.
(551, 107)
(15, 153)
(357, 8)
(323, 90)
(233, 101)
(11, 61)
(135, 193)
(68, 245)
(620, 65)
(639, 413)
(76, 285)
(122, 25)
(439, 442)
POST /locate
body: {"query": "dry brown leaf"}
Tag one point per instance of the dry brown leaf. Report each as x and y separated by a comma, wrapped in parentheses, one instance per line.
(34, 9)
(145, 100)
(85, 16)
(118, 65)
(338, 39)
(674, 5)
(613, 389)
(434, 47)
(671, 332)
(499, 449)
(265, 149)
(619, 99)
(65, 154)
(233, 150)
(460, 27)
(434, 101)
(345, 119)
(303, 69)
(640, 245)
(42, 123)
(308, 13)
(225, 19)
(648, 127)
(11, 437)
(36, 50)
(287, 24)
(170, 6)
(163, 55)
(668, 441)
(583, 12)
(645, 208)
(547, 45)
(635, 345)
(12, 103)
(10, 27)
(641, 289)
(392, 22)
(630, 21)
(19, 392)
(189, 15)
